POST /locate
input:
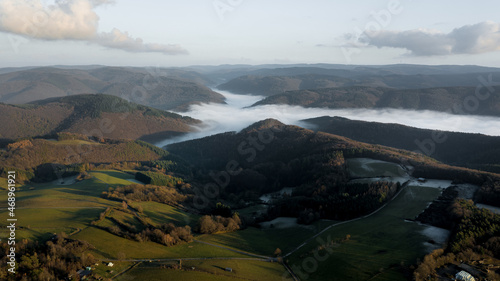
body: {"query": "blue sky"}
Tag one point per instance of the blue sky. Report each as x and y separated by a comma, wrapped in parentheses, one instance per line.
(181, 33)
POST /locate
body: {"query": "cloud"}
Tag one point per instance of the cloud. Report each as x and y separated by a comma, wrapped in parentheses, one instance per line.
(469, 39)
(122, 40)
(70, 20)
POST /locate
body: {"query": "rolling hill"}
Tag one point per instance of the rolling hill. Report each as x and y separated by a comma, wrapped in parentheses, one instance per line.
(41, 159)
(160, 88)
(224, 73)
(271, 81)
(281, 155)
(453, 99)
(480, 151)
(97, 115)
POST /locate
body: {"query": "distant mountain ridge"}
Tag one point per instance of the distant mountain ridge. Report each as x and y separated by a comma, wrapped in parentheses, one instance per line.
(283, 80)
(452, 99)
(160, 88)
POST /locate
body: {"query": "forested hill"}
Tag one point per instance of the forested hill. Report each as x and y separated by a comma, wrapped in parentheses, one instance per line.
(160, 88)
(40, 159)
(101, 116)
(269, 82)
(271, 148)
(452, 99)
(454, 148)
(269, 156)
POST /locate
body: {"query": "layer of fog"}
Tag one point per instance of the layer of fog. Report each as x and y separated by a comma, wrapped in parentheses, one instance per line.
(236, 115)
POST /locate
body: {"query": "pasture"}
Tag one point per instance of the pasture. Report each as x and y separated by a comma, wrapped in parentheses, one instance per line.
(208, 270)
(379, 247)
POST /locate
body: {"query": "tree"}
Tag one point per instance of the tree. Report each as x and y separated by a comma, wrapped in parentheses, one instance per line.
(277, 252)
(207, 225)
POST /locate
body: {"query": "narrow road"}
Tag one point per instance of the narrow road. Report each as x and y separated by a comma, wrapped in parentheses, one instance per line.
(184, 259)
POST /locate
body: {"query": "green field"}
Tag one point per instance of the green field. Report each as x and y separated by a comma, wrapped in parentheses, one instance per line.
(79, 194)
(209, 270)
(46, 208)
(126, 219)
(377, 247)
(113, 177)
(162, 213)
(108, 246)
(261, 241)
(74, 142)
(35, 223)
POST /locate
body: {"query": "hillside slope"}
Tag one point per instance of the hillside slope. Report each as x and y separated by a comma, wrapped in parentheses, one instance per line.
(437, 99)
(269, 82)
(269, 156)
(102, 116)
(480, 151)
(42, 159)
(271, 141)
(159, 88)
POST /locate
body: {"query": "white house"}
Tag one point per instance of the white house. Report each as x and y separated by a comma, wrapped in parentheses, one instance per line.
(464, 276)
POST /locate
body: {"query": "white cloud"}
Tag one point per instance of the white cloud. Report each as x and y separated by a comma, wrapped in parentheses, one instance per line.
(70, 20)
(122, 40)
(469, 39)
(64, 20)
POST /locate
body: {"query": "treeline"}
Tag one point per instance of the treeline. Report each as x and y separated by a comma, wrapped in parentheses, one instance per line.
(474, 240)
(166, 234)
(137, 192)
(338, 202)
(441, 212)
(58, 259)
(479, 229)
(489, 193)
(481, 151)
(214, 224)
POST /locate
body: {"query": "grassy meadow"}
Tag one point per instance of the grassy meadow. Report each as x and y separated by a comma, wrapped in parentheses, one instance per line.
(379, 245)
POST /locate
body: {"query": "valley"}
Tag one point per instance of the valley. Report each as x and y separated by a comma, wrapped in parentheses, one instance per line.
(243, 187)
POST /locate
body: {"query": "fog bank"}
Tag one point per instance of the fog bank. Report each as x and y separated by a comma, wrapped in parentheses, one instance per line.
(235, 116)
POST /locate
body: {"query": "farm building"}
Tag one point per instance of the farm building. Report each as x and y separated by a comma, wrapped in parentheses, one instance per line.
(464, 276)
(229, 269)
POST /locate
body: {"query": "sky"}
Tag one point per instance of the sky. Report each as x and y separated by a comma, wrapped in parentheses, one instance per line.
(213, 32)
